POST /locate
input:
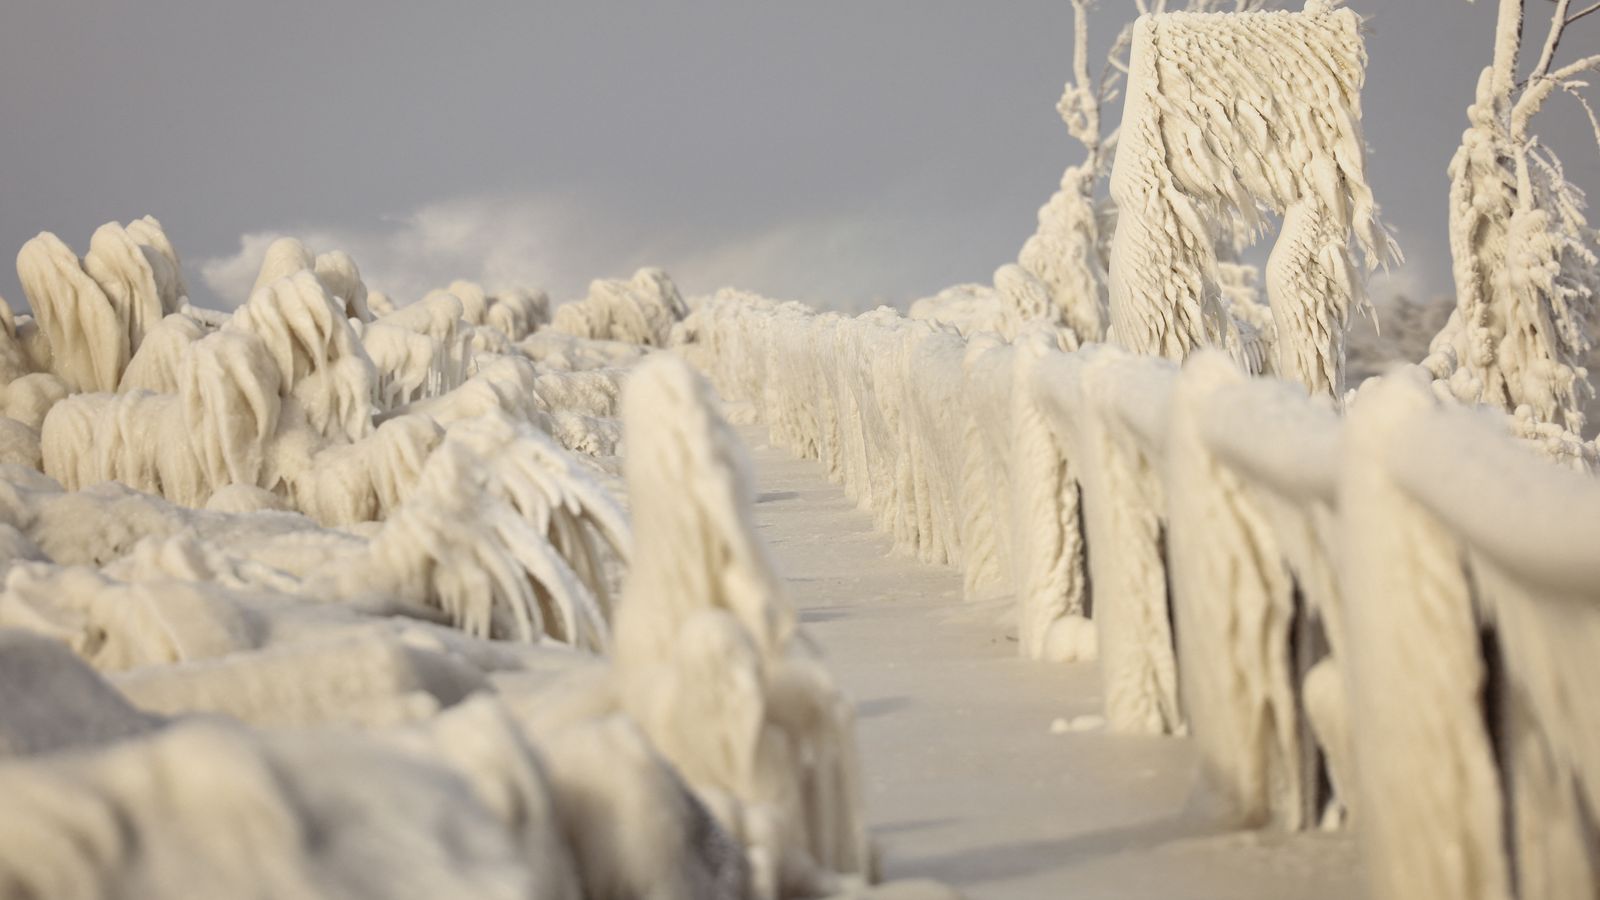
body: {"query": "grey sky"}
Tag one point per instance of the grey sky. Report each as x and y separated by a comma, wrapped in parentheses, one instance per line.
(837, 151)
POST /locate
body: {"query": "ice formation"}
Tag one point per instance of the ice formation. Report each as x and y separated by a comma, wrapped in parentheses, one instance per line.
(88, 341)
(640, 310)
(333, 594)
(1018, 302)
(1066, 252)
(709, 656)
(1228, 548)
(300, 399)
(1482, 551)
(472, 801)
(945, 440)
(1238, 555)
(1116, 407)
(370, 546)
(1069, 251)
(1526, 261)
(1196, 149)
(1050, 561)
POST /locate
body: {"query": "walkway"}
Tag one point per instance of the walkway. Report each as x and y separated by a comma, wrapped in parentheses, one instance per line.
(986, 771)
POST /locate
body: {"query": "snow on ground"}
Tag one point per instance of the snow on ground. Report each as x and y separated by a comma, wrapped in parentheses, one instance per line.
(991, 772)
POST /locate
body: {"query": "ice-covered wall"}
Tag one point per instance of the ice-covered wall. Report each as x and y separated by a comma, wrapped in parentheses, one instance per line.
(1387, 620)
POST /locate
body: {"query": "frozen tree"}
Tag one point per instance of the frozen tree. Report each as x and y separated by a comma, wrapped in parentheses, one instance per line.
(1227, 115)
(1525, 262)
(1068, 251)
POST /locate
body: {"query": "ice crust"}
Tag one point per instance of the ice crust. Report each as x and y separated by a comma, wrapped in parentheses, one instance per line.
(329, 596)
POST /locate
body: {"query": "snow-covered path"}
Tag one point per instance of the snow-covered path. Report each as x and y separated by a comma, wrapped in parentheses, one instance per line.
(965, 781)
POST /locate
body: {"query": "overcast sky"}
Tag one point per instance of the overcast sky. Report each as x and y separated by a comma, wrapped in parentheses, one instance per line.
(837, 151)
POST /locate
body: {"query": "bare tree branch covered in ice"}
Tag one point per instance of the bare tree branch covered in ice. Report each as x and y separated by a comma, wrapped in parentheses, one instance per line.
(1525, 258)
(1067, 254)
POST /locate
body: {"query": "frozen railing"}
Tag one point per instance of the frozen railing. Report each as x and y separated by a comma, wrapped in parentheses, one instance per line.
(1393, 615)
(1471, 573)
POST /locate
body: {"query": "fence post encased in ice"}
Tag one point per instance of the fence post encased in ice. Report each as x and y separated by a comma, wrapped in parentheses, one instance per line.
(1050, 579)
(986, 476)
(1427, 791)
(1485, 602)
(1106, 404)
(1243, 632)
(935, 420)
(1286, 451)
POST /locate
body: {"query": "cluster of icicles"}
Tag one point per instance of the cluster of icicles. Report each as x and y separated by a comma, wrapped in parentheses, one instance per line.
(390, 530)
(392, 427)
(1226, 116)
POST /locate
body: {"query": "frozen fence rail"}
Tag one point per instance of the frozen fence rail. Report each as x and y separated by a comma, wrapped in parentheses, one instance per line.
(1392, 615)
(1474, 619)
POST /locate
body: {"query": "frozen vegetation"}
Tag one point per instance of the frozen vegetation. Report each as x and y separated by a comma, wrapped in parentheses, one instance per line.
(341, 595)
(329, 597)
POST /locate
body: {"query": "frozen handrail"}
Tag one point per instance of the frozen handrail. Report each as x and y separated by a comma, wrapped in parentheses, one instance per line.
(1537, 521)
(1143, 390)
(1142, 397)
(1270, 432)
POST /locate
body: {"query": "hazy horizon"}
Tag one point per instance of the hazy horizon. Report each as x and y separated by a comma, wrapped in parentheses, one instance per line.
(839, 153)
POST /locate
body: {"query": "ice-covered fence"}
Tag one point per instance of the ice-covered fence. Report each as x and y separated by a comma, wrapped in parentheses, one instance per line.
(1472, 584)
(1250, 471)
(1320, 609)
(1106, 409)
